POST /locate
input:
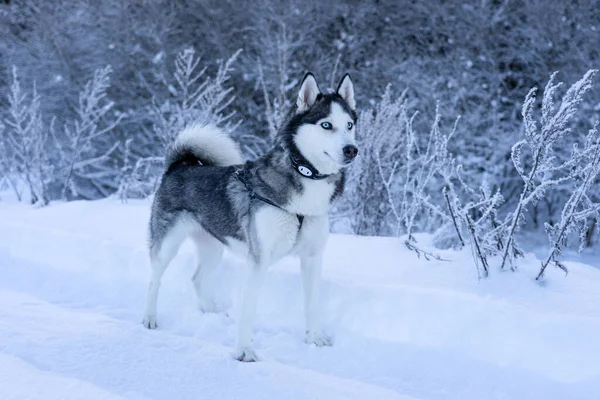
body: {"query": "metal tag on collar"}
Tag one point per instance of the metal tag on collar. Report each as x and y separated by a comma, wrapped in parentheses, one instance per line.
(304, 170)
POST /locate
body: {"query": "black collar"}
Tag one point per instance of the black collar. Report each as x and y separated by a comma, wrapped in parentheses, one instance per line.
(305, 168)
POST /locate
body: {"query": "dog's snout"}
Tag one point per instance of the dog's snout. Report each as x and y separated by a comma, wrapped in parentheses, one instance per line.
(350, 151)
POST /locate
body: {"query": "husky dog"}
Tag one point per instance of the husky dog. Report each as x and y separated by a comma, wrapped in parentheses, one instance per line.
(263, 209)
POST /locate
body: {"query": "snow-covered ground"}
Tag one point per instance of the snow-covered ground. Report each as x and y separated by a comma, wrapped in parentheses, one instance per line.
(73, 279)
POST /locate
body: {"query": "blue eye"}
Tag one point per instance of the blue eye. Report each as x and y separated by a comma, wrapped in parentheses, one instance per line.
(350, 125)
(326, 125)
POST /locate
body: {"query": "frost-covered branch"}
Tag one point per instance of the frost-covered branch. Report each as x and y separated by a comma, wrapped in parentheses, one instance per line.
(81, 156)
(381, 140)
(453, 215)
(140, 179)
(8, 174)
(277, 76)
(199, 98)
(421, 167)
(387, 182)
(472, 213)
(25, 142)
(578, 207)
(541, 144)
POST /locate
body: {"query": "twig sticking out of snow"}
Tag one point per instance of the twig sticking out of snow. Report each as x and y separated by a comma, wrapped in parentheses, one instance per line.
(453, 216)
(420, 252)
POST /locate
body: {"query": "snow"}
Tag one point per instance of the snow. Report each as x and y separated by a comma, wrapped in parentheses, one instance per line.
(73, 278)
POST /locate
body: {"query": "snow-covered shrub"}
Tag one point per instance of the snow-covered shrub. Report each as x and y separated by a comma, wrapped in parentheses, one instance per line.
(24, 145)
(138, 179)
(85, 167)
(8, 179)
(198, 98)
(534, 156)
(277, 104)
(467, 214)
(72, 163)
(390, 185)
(584, 171)
(473, 215)
(424, 164)
(381, 139)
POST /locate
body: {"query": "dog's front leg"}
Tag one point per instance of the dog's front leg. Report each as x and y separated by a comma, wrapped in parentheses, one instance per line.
(311, 279)
(243, 347)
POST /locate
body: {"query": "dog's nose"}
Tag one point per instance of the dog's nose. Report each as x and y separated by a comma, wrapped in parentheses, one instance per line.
(350, 151)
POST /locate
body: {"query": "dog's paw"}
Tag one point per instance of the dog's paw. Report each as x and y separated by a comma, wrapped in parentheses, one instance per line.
(149, 322)
(318, 339)
(245, 355)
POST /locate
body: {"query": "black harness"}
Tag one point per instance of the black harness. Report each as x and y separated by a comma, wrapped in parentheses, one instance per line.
(301, 165)
(239, 174)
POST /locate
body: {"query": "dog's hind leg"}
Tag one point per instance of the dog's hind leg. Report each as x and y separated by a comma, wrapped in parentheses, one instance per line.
(162, 252)
(210, 252)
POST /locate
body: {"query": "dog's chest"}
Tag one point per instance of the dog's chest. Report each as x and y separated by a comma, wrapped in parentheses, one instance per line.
(313, 200)
(277, 233)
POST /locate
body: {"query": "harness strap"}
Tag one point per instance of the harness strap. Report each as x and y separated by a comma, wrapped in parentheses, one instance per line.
(254, 195)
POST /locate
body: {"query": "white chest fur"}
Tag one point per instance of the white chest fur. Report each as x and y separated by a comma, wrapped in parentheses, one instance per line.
(276, 233)
(314, 199)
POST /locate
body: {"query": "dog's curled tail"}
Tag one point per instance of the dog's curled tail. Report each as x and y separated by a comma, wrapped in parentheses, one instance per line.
(205, 143)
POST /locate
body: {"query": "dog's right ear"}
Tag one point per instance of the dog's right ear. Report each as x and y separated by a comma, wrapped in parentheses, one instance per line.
(309, 90)
(346, 90)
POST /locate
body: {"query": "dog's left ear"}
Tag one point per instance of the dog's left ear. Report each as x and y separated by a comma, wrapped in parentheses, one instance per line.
(346, 90)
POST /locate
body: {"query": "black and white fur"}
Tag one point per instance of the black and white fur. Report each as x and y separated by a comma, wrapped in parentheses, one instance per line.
(263, 209)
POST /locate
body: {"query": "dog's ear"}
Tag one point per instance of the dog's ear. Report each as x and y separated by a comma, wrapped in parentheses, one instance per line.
(346, 90)
(309, 90)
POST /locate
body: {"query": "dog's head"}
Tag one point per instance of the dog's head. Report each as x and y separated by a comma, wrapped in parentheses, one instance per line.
(324, 125)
